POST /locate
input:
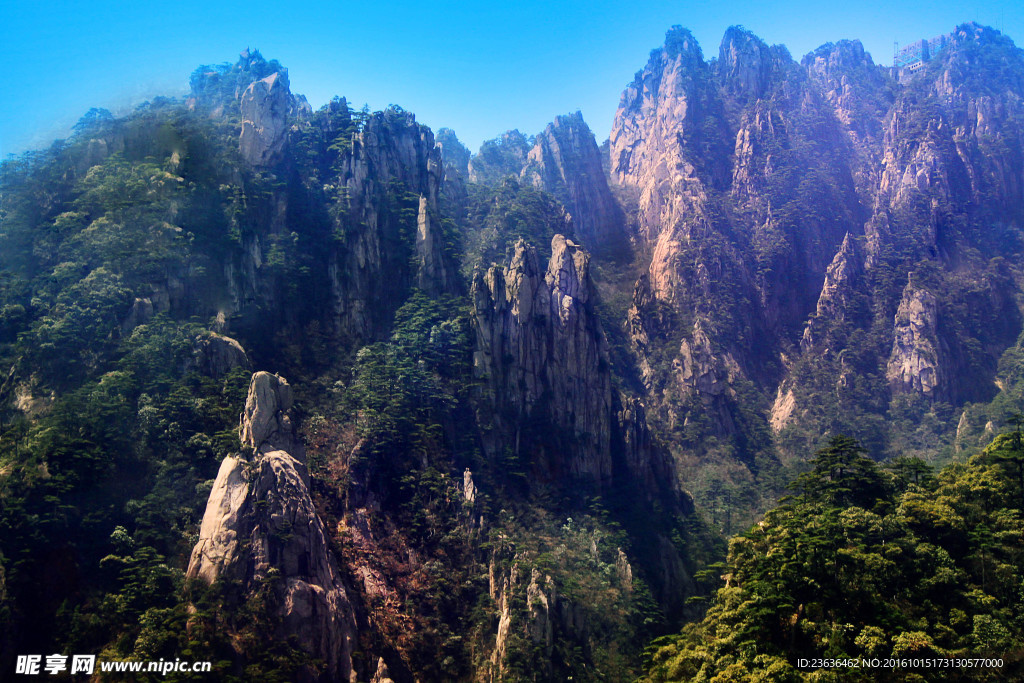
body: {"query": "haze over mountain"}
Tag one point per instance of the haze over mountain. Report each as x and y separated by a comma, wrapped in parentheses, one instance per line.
(497, 412)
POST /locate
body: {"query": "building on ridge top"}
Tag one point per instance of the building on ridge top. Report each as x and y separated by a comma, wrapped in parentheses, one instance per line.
(912, 57)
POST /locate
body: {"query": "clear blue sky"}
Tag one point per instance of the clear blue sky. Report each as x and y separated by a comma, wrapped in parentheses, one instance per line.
(478, 67)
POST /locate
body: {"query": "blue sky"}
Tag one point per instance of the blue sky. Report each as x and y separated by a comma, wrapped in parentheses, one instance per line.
(477, 67)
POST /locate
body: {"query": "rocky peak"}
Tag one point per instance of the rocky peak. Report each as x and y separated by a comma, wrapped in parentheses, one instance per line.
(543, 356)
(671, 106)
(670, 73)
(543, 359)
(264, 107)
(850, 80)
(370, 274)
(261, 528)
(680, 44)
(568, 276)
(860, 94)
(505, 155)
(745, 63)
(566, 162)
(840, 277)
(266, 423)
(832, 59)
(216, 355)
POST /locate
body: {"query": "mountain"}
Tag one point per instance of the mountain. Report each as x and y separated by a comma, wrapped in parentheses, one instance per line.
(815, 234)
(319, 395)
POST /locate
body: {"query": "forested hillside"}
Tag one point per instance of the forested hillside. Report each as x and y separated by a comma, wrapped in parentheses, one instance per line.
(870, 564)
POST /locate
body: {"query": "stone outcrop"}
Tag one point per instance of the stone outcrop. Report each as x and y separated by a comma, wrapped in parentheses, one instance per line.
(382, 674)
(393, 160)
(546, 614)
(543, 355)
(261, 525)
(264, 107)
(700, 368)
(782, 409)
(860, 94)
(649, 466)
(667, 104)
(915, 364)
(216, 355)
(543, 359)
(835, 301)
(565, 161)
(732, 164)
(745, 62)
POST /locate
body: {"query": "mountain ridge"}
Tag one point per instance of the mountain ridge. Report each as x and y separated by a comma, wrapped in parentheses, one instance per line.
(532, 386)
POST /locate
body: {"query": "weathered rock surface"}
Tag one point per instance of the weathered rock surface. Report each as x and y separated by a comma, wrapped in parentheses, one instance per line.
(915, 365)
(543, 359)
(543, 354)
(565, 161)
(261, 525)
(266, 423)
(216, 355)
(835, 302)
(394, 159)
(733, 163)
(545, 614)
(264, 106)
(745, 63)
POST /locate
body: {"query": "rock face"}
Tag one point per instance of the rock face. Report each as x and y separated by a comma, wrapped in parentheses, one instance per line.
(781, 202)
(914, 365)
(745, 63)
(542, 352)
(565, 161)
(216, 355)
(261, 525)
(546, 614)
(666, 105)
(836, 301)
(394, 166)
(543, 359)
(264, 108)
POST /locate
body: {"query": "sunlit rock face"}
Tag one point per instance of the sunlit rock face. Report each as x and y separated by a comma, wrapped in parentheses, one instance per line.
(782, 206)
(261, 525)
(264, 108)
(914, 365)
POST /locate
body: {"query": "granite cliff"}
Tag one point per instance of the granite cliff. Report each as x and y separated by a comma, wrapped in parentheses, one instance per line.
(781, 202)
(514, 372)
(261, 529)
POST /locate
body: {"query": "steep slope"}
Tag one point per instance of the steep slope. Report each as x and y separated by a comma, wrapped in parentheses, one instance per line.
(784, 206)
(384, 517)
(564, 161)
